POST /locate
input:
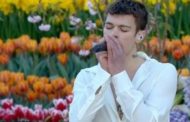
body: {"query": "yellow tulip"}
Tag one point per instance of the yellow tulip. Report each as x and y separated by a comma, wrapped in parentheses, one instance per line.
(102, 4)
(186, 40)
(28, 6)
(5, 7)
(13, 2)
(68, 5)
(185, 1)
(31, 45)
(170, 8)
(47, 3)
(153, 2)
(185, 72)
(79, 4)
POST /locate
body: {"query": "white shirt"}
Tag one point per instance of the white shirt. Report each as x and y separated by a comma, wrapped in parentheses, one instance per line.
(147, 98)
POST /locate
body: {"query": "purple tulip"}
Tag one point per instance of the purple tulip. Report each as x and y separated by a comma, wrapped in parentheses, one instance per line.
(44, 27)
(34, 18)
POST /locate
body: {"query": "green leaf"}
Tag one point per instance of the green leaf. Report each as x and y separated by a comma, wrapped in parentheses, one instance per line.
(51, 65)
(178, 98)
(53, 77)
(63, 72)
(12, 65)
(40, 67)
(23, 63)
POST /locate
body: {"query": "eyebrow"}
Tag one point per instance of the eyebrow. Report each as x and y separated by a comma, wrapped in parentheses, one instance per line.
(119, 25)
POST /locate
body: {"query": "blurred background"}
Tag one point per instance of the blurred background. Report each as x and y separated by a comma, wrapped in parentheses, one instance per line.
(45, 43)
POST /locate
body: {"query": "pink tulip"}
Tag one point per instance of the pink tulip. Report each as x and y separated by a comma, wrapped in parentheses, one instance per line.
(60, 104)
(56, 115)
(7, 103)
(65, 113)
(69, 99)
(9, 115)
(19, 111)
(30, 115)
(2, 113)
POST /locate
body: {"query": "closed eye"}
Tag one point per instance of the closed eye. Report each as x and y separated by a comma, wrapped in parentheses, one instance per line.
(124, 29)
(108, 26)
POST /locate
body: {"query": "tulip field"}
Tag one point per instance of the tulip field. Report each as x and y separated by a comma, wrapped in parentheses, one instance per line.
(45, 43)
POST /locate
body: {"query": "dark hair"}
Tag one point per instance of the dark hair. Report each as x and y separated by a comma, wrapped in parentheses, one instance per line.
(129, 7)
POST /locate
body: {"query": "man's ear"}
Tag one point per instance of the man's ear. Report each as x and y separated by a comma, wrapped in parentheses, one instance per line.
(140, 35)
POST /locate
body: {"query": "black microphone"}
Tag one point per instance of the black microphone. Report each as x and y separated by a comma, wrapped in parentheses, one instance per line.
(100, 47)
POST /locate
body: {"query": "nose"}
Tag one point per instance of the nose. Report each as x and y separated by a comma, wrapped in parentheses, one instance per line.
(115, 32)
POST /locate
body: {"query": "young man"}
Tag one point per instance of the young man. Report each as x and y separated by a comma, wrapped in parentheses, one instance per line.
(125, 86)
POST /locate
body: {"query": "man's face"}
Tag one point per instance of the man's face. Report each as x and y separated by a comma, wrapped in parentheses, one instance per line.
(122, 27)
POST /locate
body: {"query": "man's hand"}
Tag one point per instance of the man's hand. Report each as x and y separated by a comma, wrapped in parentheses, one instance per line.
(103, 59)
(116, 55)
(113, 60)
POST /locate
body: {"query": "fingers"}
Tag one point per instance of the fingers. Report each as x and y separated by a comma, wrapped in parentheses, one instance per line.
(116, 45)
(103, 59)
(101, 55)
(113, 46)
(109, 47)
(101, 40)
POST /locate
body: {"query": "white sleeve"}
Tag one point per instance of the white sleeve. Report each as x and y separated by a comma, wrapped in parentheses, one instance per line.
(157, 106)
(87, 101)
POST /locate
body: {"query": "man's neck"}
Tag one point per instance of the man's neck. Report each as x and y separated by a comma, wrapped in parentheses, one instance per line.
(133, 63)
(131, 59)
